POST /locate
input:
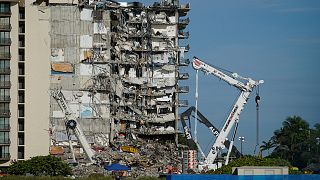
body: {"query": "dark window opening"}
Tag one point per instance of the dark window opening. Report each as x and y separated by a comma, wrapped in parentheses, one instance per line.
(21, 152)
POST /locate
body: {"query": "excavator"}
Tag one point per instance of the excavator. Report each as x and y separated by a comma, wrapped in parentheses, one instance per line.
(245, 85)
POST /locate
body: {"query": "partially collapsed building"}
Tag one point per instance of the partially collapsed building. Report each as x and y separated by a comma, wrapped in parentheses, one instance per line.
(118, 65)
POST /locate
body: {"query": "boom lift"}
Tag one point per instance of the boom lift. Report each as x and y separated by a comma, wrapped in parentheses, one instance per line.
(72, 124)
(233, 118)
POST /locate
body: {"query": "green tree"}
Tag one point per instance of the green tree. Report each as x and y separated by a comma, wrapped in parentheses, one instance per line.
(292, 141)
(266, 146)
(40, 166)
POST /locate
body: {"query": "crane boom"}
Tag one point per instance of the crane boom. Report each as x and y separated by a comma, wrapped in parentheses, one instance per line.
(202, 119)
(72, 123)
(234, 115)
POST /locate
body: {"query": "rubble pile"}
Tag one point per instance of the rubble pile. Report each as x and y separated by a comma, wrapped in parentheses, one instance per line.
(86, 170)
(152, 158)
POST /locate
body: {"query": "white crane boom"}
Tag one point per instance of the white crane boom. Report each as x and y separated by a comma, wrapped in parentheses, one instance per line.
(234, 115)
(72, 123)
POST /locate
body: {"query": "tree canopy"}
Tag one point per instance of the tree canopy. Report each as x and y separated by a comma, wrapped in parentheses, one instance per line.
(296, 142)
(40, 166)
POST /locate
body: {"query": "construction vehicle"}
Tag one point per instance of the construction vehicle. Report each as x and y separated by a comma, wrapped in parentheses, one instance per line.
(246, 86)
(202, 119)
(71, 123)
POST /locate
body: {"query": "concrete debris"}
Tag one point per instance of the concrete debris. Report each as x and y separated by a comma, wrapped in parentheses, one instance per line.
(146, 158)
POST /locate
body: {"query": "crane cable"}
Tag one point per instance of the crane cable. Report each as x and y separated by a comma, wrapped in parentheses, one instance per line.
(257, 99)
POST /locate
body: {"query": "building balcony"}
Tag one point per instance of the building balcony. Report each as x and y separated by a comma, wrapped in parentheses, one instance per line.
(164, 6)
(5, 141)
(183, 35)
(5, 41)
(184, 9)
(5, 27)
(5, 71)
(5, 84)
(5, 98)
(5, 157)
(183, 23)
(183, 89)
(185, 48)
(183, 103)
(5, 55)
(184, 62)
(5, 113)
(5, 13)
(4, 127)
(183, 76)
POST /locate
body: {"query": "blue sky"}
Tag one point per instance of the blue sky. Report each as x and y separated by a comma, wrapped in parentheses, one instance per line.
(274, 40)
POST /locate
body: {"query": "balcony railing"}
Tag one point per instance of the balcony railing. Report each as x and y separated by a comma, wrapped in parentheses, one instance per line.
(183, 35)
(4, 127)
(4, 113)
(5, 156)
(4, 141)
(5, 55)
(185, 6)
(184, 21)
(5, 98)
(5, 27)
(5, 41)
(5, 84)
(5, 12)
(5, 71)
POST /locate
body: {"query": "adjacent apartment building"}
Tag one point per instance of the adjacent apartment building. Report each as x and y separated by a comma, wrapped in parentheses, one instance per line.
(118, 65)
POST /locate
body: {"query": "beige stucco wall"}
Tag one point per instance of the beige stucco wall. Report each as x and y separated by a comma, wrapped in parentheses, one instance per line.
(37, 68)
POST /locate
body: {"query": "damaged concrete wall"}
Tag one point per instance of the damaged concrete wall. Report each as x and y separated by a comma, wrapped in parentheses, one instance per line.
(72, 32)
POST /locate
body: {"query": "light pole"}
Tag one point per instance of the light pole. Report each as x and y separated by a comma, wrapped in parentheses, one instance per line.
(241, 139)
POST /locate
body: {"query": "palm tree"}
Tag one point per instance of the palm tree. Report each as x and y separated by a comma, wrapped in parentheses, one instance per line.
(291, 139)
(294, 130)
(266, 146)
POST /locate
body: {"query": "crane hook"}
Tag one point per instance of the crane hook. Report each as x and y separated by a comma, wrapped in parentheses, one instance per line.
(257, 100)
